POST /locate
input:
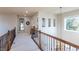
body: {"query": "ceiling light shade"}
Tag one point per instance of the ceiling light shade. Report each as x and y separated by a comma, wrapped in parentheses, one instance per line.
(26, 11)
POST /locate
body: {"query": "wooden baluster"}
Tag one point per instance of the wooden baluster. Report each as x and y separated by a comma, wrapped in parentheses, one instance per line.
(64, 46)
(0, 44)
(54, 45)
(60, 46)
(69, 48)
(57, 45)
(8, 41)
(47, 44)
(6, 44)
(76, 49)
(43, 39)
(7, 48)
(40, 39)
(51, 44)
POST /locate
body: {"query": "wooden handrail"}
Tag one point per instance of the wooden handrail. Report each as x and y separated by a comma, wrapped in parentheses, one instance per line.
(8, 40)
(61, 40)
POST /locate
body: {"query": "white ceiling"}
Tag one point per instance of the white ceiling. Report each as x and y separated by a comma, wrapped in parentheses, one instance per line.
(33, 10)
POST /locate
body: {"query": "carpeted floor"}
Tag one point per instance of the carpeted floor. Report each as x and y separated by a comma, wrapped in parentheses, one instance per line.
(23, 42)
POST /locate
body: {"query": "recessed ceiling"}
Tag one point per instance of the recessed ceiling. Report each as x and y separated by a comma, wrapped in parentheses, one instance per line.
(33, 10)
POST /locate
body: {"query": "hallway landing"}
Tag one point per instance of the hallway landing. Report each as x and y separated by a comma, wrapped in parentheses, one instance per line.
(23, 42)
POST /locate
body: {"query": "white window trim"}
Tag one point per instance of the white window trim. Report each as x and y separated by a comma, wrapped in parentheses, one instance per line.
(65, 25)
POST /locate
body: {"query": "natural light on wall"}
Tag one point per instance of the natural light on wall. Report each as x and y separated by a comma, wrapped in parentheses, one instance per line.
(71, 23)
(21, 24)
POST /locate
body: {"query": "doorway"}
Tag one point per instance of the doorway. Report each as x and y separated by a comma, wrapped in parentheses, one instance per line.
(21, 24)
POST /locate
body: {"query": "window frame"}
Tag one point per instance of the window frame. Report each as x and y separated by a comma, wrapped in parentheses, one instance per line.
(21, 19)
(43, 22)
(65, 19)
(49, 22)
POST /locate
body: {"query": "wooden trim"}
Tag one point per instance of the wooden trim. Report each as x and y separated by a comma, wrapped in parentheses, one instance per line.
(61, 40)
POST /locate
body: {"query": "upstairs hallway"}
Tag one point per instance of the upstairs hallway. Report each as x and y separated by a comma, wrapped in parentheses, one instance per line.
(23, 42)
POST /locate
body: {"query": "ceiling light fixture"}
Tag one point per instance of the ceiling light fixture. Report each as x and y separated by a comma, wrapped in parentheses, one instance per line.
(26, 11)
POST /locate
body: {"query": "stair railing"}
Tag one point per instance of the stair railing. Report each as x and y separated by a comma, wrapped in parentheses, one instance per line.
(7, 39)
(48, 42)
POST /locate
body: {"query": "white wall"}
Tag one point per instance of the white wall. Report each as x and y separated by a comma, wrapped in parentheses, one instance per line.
(68, 35)
(59, 26)
(7, 22)
(38, 24)
(50, 30)
(34, 20)
(26, 27)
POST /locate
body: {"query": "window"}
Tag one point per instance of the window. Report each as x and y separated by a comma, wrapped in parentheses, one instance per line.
(72, 23)
(49, 22)
(43, 22)
(21, 26)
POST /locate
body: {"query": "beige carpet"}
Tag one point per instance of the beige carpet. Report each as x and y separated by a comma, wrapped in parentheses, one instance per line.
(23, 42)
